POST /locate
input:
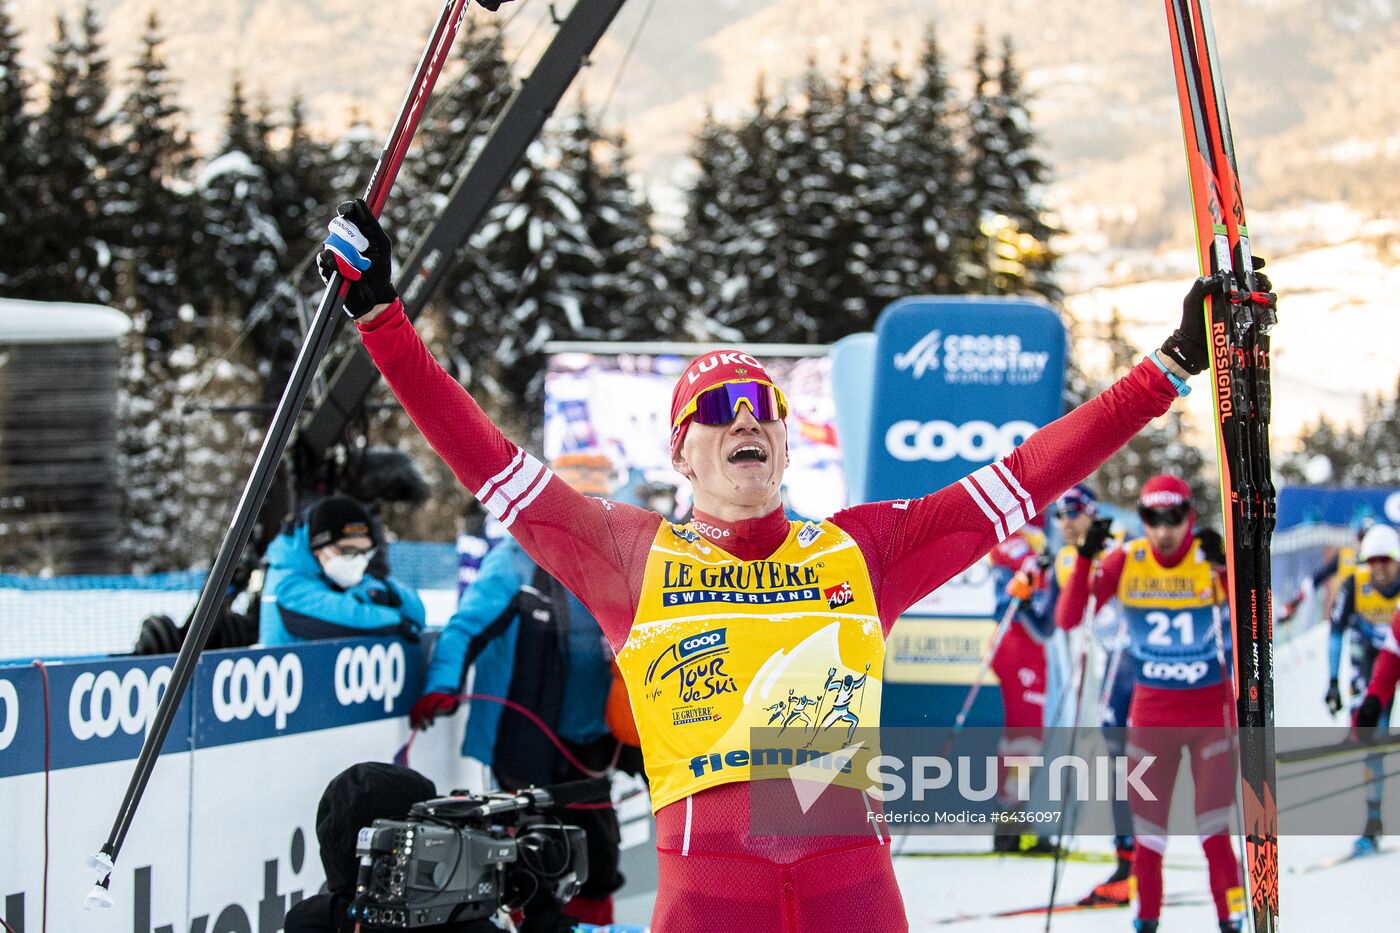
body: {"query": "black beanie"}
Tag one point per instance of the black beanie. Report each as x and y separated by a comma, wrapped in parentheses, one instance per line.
(354, 799)
(335, 518)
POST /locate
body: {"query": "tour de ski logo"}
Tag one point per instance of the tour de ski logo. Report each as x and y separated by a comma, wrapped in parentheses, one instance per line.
(692, 671)
(839, 595)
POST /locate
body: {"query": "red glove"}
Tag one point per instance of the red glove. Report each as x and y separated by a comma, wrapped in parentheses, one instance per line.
(429, 707)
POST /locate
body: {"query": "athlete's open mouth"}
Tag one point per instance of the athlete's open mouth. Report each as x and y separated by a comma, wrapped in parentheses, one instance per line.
(749, 452)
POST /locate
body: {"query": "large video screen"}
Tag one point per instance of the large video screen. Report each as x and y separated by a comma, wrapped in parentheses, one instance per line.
(618, 403)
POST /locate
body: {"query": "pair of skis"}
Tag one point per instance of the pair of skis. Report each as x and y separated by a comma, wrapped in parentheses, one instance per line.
(1237, 327)
(1169, 900)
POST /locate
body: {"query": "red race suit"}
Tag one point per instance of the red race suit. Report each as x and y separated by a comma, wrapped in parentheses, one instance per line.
(714, 876)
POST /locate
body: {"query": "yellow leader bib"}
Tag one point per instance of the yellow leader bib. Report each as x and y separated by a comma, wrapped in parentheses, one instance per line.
(1371, 605)
(1174, 623)
(1346, 563)
(721, 646)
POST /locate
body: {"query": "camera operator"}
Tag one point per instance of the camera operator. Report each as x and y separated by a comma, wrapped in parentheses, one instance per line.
(354, 799)
(534, 644)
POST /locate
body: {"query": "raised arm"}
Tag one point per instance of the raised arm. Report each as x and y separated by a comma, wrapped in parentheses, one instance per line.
(588, 544)
(914, 546)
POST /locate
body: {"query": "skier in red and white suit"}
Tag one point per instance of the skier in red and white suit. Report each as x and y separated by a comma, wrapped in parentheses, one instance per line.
(730, 441)
(1170, 585)
(1020, 666)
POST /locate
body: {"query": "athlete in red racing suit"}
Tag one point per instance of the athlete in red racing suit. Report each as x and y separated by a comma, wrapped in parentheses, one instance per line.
(715, 876)
(1169, 585)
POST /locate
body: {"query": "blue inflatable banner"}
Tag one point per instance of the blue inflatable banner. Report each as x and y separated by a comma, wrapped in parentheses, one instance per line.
(853, 389)
(1335, 505)
(959, 382)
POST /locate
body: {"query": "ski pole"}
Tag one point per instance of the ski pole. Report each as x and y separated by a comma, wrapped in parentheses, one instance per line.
(981, 674)
(1111, 672)
(1082, 673)
(314, 347)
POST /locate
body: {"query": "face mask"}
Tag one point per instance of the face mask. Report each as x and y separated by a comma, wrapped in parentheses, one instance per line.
(345, 570)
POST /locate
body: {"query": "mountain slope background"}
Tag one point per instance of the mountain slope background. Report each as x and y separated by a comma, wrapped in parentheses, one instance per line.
(1312, 91)
(1311, 86)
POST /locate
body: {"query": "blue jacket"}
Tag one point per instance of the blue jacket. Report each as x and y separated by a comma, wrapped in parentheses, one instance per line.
(300, 603)
(589, 673)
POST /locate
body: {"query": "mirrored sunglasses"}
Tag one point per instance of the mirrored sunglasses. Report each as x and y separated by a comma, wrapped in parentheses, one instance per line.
(354, 551)
(1172, 515)
(720, 405)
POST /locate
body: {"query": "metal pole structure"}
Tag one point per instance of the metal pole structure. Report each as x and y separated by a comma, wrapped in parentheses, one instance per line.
(981, 675)
(1082, 673)
(265, 466)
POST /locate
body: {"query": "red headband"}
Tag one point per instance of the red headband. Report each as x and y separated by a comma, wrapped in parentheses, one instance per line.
(705, 372)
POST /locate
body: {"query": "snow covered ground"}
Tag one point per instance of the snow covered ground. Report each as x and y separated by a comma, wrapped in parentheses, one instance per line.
(1337, 331)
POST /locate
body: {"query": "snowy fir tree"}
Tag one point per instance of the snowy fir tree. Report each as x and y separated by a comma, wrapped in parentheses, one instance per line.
(698, 262)
(1161, 448)
(302, 191)
(150, 201)
(454, 129)
(1008, 253)
(1361, 455)
(96, 271)
(241, 240)
(639, 301)
(542, 266)
(827, 297)
(1028, 174)
(736, 244)
(19, 171)
(885, 251)
(61, 216)
(933, 215)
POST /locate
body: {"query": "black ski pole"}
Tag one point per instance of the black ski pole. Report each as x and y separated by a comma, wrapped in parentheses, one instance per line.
(318, 338)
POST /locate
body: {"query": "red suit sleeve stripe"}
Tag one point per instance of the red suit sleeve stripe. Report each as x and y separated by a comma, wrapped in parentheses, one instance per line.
(1000, 497)
(1026, 504)
(509, 491)
(986, 506)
